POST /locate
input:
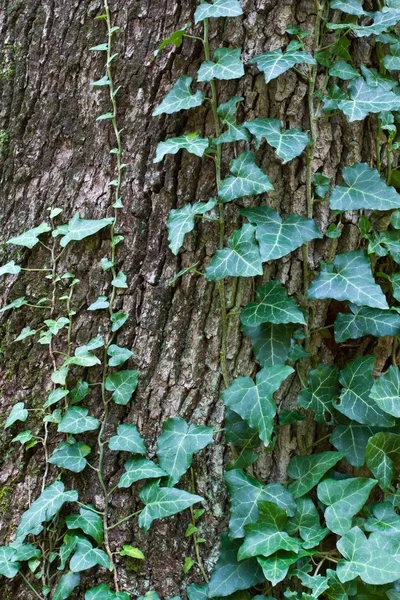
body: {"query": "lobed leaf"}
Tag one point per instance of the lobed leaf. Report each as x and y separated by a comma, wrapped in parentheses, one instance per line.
(241, 259)
(288, 144)
(227, 65)
(273, 306)
(179, 98)
(181, 221)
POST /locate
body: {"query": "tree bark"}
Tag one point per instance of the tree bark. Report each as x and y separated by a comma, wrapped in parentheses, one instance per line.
(57, 155)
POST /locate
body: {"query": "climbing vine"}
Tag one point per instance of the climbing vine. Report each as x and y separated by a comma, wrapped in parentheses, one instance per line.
(331, 529)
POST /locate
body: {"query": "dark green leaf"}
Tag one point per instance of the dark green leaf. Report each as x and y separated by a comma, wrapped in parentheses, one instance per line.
(382, 456)
(273, 306)
(122, 384)
(309, 470)
(179, 98)
(226, 65)
(366, 321)
(139, 468)
(181, 221)
(90, 522)
(241, 259)
(163, 502)
(76, 420)
(288, 144)
(247, 179)
(70, 456)
(323, 389)
(274, 63)
(191, 142)
(218, 8)
(128, 439)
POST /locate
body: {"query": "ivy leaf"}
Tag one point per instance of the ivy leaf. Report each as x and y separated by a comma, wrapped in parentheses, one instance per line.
(386, 391)
(267, 535)
(17, 303)
(322, 390)
(366, 189)
(351, 7)
(76, 420)
(247, 180)
(352, 439)
(218, 8)
(238, 433)
(68, 582)
(274, 63)
(9, 566)
(118, 320)
(382, 456)
(273, 306)
(79, 229)
(355, 400)
(10, 268)
(103, 592)
(309, 470)
(70, 456)
(118, 355)
(366, 99)
(179, 98)
(49, 503)
(241, 259)
(175, 39)
(343, 499)
(30, 238)
(229, 575)
(181, 221)
(55, 396)
(119, 281)
(382, 20)
(191, 142)
(278, 238)
(288, 144)
(366, 321)
(178, 443)
(18, 413)
(271, 342)
(86, 557)
(385, 519)
(90, 523)
(139, 468)
(307, 522)
(348, 278)
(235, 132)
(254, 402)
(276, 567)
(122, 384)
(226, 65)
(127, 440)
(363, 558)
(343, 70)
(322, 184)
(163, 502)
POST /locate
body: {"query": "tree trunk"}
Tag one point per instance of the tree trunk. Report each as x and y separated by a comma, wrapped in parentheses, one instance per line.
(54, 153)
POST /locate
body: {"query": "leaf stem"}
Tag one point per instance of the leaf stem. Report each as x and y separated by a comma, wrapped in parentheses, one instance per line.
(30, 586)
(124, 519)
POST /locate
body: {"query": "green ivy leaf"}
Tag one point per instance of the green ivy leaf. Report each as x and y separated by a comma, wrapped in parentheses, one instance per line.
(229, 575)
(30, 238)
(355, 401)
(10, 268)
(103, 592)
(86, 557)
(366, 321)
(127, 440)
(176, 39)
(385, 519)
(276, 567)
(90, 523)
(322, 184)
(274, 63)
(382, 21)
(247, 179)
(241, 259)
(271, 342)
(365, 99)
(179, 98)
(218, 8)
(288, 144)
(343, 499)
(9, 566)
(254, 402)
(163, 502)
(309, 470)
(343, 70)
(382, 456)
(351, 7)
(18, 413)
(278, 238)
(122, 384)
(140, 468)
(352, 439)
(23, 437)
(76, 420)
(191, 142)
(132, 552)
(366, 189)
(178, 443)
(55, 396)
(348, 278)
(238, 433)
(322, 390)
(79, 392)
(79, 229)
(273, 306)
(70, 456)
(68, 582)
(118, 356)
(25, 333)
(234, 132)
(118, 320)
(119, 281)
(306, 521)
(181, 221)
(386, 391)
(49, 503)
(226, 65)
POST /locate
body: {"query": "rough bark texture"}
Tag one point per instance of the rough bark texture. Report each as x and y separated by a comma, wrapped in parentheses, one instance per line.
(56, 155)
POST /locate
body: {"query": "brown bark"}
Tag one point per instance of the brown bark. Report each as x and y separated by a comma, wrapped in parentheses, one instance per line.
(59, 156)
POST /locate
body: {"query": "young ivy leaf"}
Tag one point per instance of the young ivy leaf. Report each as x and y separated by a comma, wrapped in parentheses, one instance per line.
(366, 321)
(355, 401)
(10, 268)
(271, 342)
(163, 502)
(366, 189)
(181, 221)
(306, 521)
(343, 70)
(18, 413)
(226, 65)
(235, 132)
(348, 278)
(191, 142)
(70, 456)
(128, 439)
(307, 471)
(322, 184)
(118, 356)
(30, 238)
(9, 566)
(288, 144)
(343, 500)
(79, 229)
(274, 63)
(122, 384)
(322, 390)
(86, 557)
(273, 306)
(382, 457)
(176, 39)
(241, 259)
(254, 401)
(76, 420)
(365, 98)
(139, 468)
(178, 443)
(179, 98)
(278, 238)
(386, 391)
(276, 567)
(218, 8)
(68, 582)
(90, 523)
(247, 179)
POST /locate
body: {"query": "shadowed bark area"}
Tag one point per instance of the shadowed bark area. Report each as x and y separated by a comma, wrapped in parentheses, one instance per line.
(57, 155)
